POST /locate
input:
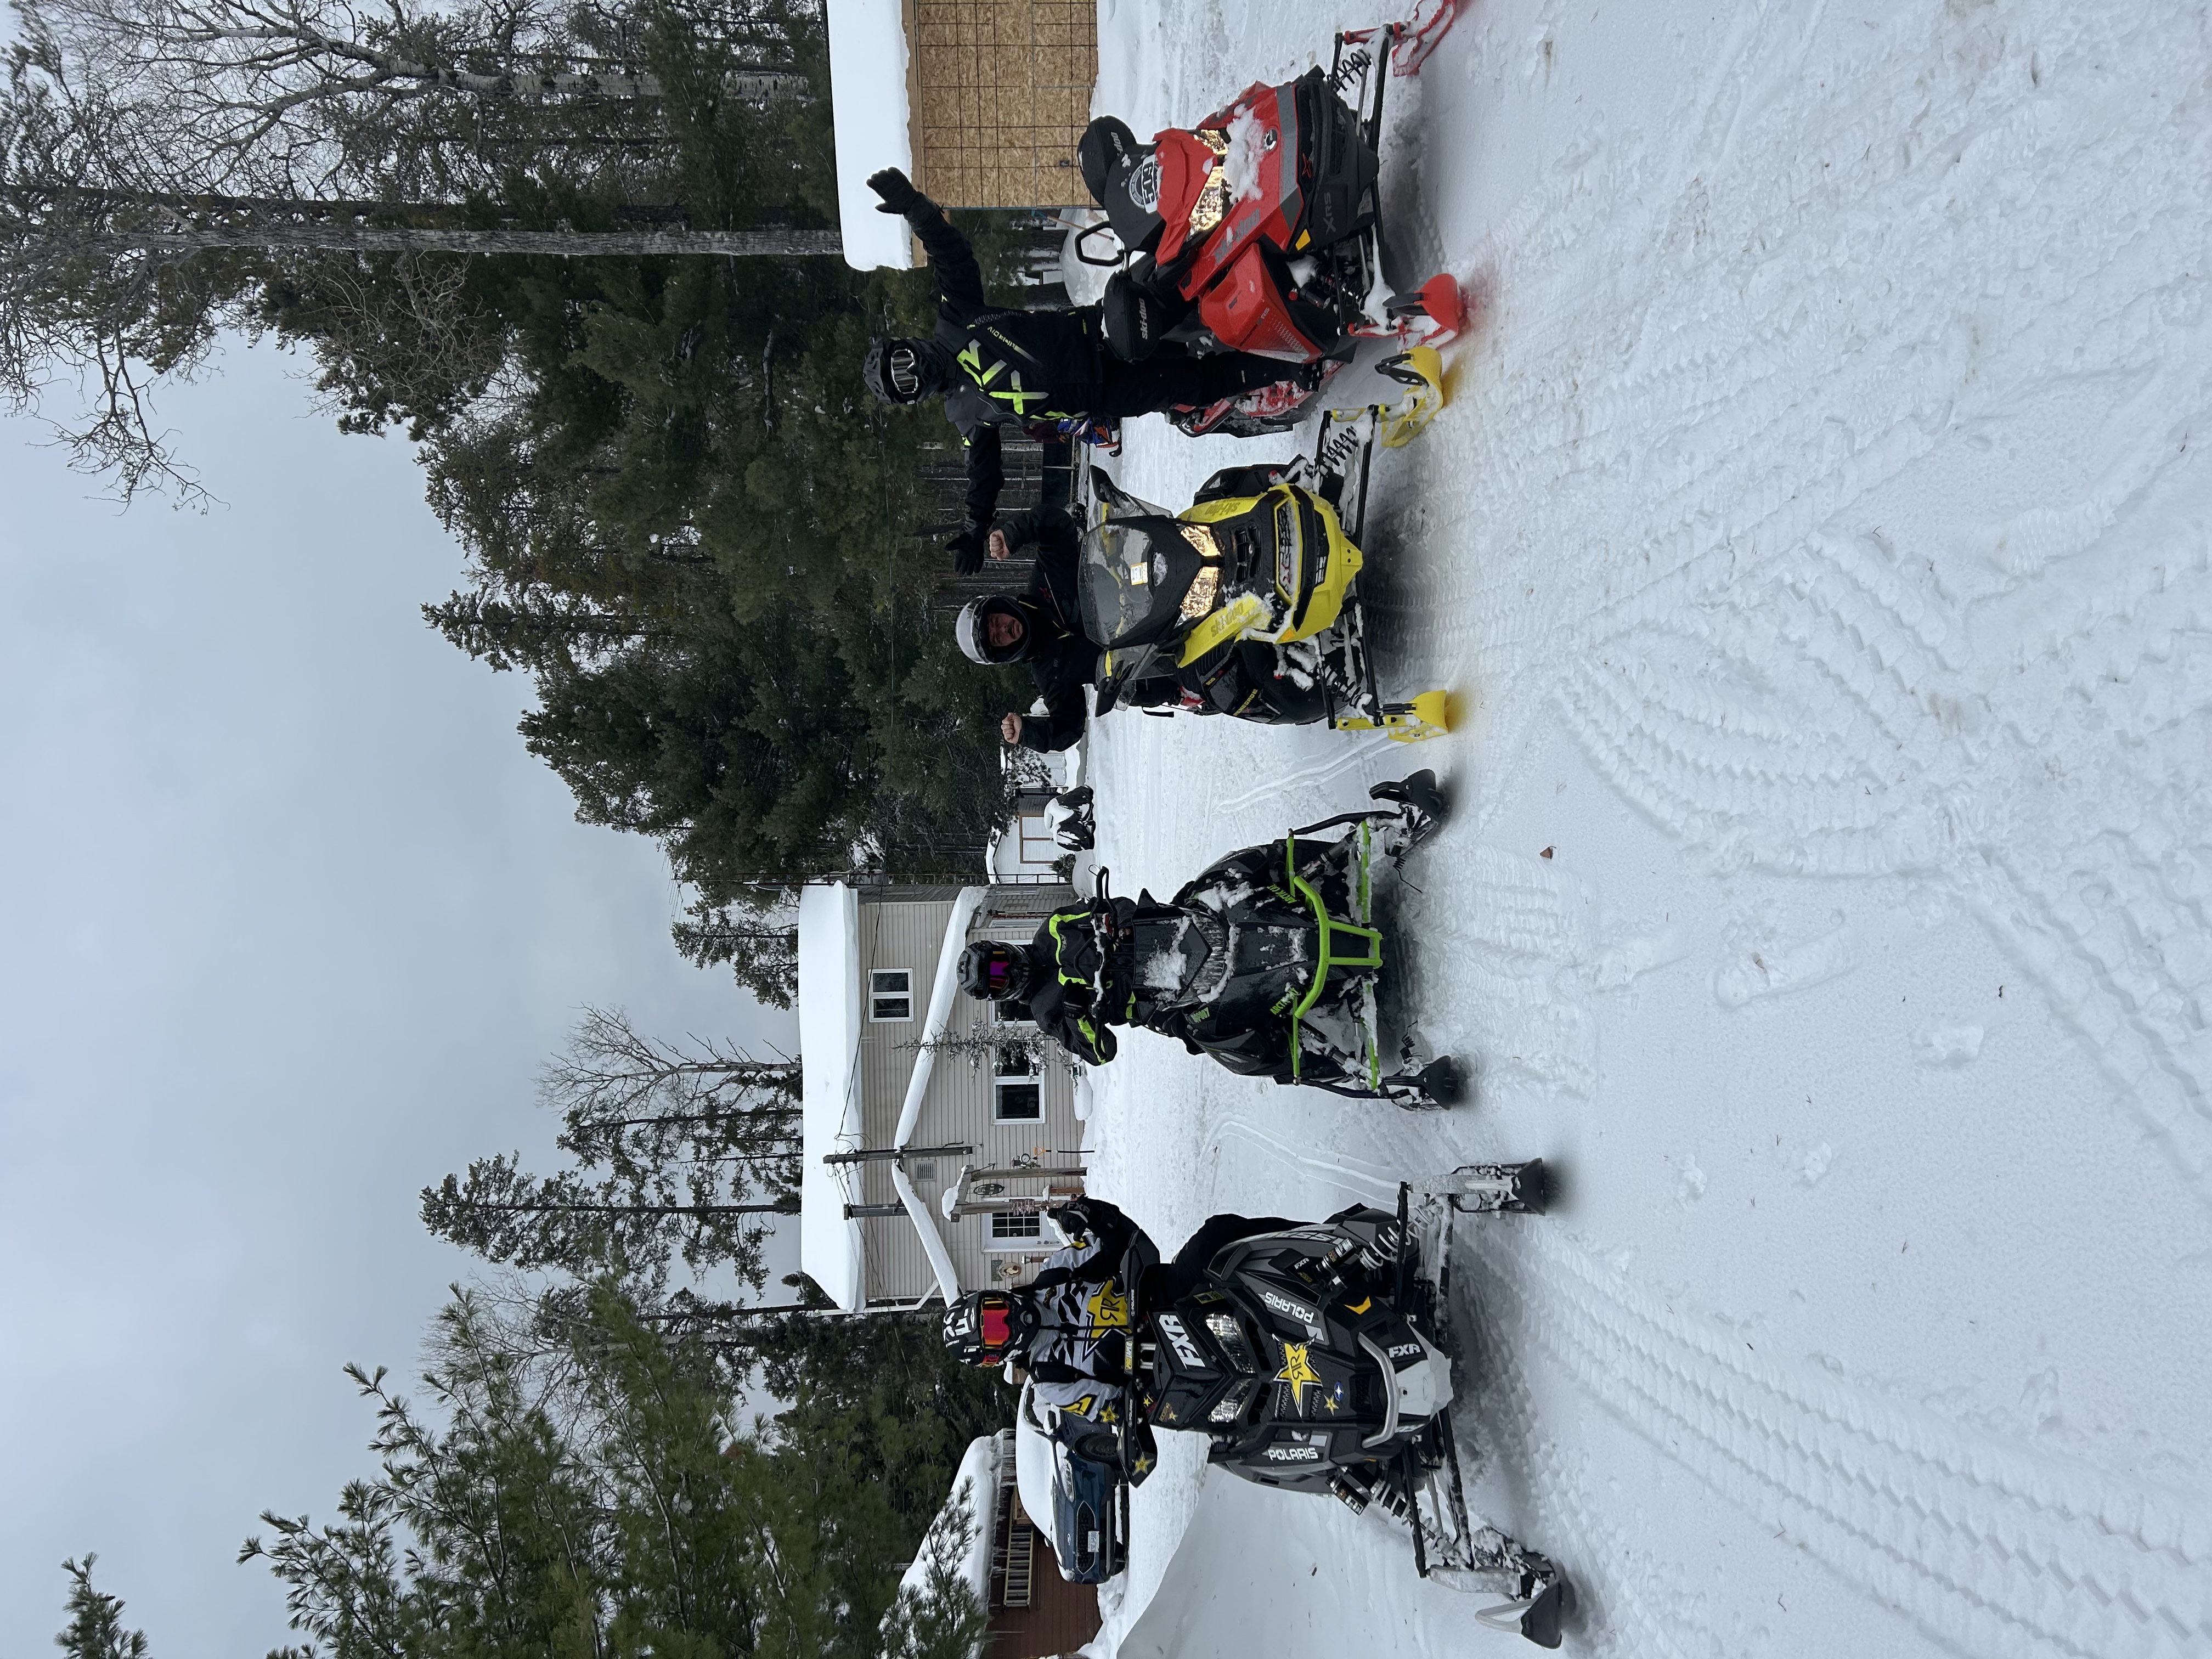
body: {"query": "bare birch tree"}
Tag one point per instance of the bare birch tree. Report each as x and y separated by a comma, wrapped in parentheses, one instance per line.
(160, 159)
(307, 98)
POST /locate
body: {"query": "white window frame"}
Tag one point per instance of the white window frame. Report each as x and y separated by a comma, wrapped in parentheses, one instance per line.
(1024, 1244)
(1000, 1085)
(876, 991)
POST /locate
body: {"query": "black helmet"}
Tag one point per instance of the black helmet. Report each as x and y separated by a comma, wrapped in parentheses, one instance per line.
(901, 371)
(971, 629)
(992, 970)
(984, 1328)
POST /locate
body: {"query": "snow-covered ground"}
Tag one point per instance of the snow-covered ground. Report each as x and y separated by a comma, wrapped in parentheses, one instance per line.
(1817, 540)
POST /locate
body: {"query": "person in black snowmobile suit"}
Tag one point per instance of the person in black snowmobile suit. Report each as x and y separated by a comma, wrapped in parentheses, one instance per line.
(1068, 1328)
(1230, 932)
(1042, 628)
(1010, 367)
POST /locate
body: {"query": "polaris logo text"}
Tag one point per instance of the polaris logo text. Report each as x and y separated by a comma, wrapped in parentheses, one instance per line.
(1284, 1304)
(1293, 1454)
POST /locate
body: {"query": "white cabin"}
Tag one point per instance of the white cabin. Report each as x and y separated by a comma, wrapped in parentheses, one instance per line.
(934, 1132)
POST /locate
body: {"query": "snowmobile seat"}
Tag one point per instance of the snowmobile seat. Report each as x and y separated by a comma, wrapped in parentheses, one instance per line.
(1232, 482)
(1257, 1051)
(1124, 178)
(1135, 315)
(1107, 147)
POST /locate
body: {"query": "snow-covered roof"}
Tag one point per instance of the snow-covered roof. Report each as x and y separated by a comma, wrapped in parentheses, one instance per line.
(829, 1084)
(975, 1492)
(868, 105)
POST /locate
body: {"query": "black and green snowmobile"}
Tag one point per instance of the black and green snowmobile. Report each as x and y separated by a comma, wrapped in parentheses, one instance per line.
(1269, 960)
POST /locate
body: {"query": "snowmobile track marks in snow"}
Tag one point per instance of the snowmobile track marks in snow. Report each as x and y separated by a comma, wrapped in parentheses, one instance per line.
(1992, 1547)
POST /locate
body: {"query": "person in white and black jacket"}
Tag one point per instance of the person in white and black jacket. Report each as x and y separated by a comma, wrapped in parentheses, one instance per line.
(1068, 1330)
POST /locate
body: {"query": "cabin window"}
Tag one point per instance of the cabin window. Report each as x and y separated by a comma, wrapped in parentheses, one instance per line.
(1016, 1228)
(890, 993)
(1016, 1100)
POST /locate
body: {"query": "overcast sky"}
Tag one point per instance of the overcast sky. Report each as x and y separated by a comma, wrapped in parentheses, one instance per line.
(287, 920)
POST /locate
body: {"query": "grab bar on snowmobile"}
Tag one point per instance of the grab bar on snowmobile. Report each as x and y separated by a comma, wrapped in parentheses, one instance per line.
(1389, 1429)
(1083, 237)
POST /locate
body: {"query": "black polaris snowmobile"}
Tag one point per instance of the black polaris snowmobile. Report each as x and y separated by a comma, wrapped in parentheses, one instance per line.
(1268, 961)
(1318, 1359)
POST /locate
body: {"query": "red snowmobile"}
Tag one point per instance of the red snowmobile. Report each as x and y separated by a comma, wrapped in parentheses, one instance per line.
(1259, 230)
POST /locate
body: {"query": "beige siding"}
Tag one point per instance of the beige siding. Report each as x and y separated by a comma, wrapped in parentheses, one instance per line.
(893, 935)
(957, 1108)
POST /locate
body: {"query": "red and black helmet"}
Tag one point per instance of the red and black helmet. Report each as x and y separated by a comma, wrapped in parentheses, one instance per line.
(986, 1328)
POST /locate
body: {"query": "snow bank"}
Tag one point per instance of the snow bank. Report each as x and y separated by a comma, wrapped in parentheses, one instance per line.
(973, 1500)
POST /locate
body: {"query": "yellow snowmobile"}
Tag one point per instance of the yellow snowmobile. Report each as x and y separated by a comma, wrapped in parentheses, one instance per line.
(1245, 597)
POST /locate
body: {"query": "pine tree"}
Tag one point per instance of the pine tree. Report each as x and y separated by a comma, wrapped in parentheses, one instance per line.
(95, 1627)
(600, 1499)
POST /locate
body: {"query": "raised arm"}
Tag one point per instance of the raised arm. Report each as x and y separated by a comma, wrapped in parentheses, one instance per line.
(959, 278)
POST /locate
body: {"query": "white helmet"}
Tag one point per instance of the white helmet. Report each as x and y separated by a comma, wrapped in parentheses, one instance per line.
(968, 631)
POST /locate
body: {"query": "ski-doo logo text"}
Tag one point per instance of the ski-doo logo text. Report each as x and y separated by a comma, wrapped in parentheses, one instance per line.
(1179, 1340)
(1293, 1454)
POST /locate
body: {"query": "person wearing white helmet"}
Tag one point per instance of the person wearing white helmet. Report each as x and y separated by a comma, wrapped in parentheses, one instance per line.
(1040, 628)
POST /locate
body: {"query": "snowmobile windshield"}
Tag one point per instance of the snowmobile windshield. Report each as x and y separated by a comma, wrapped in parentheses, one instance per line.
(1144, 577)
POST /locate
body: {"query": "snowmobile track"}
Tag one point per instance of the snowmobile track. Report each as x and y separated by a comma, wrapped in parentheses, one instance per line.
(1989, 1547)
(1758, 665)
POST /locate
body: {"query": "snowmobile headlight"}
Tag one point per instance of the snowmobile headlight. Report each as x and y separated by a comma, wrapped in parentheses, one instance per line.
(1230, 1336)
(1212, 202)
(1205, 590)
(1202, 540)
(1231, 1404)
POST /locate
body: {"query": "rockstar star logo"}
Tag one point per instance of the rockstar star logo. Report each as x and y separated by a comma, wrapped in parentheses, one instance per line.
(1297, 1371)
(1109, 1310)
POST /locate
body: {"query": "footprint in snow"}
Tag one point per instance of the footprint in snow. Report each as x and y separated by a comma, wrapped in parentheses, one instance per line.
(1947, 1045)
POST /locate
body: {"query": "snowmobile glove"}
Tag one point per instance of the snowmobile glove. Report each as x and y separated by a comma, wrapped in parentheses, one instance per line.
(967, 551)
(900, 197)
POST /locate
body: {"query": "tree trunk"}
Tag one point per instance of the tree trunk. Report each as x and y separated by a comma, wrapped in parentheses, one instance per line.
(764, 85)
(95, 197)
(780, 1207)
(555, 244)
